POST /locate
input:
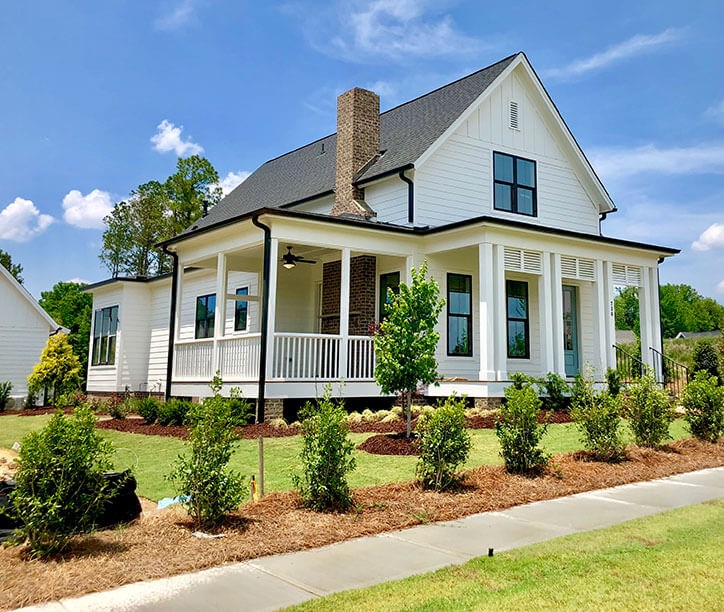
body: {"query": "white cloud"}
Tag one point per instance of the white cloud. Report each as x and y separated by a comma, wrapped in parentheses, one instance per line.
(80, 281)
(615, 162)
(720, 287)
(168, 138)
(232, 180)
(21, 221)
(716, 112)
(712, 237)
(181, 14)
(87, 211)
(633, 47)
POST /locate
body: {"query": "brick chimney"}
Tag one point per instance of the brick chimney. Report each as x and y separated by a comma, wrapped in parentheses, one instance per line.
(358, 143)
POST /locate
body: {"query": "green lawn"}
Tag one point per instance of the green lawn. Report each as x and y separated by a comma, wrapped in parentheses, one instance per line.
(151, 456)
(669, 561)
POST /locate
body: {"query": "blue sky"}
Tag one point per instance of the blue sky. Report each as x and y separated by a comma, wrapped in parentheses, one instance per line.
(99, 97)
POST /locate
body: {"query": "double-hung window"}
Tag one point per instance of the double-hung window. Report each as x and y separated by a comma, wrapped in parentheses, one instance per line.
(105, 326)
(518, 324)
(389, 281)
(205, 316)
(515, 184)
(241, 311)
(459, 315)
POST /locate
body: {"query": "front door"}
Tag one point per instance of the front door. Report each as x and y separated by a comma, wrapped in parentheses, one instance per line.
(570, 330)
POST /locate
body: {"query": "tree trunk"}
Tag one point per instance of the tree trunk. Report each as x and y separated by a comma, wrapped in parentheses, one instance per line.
(408, 409)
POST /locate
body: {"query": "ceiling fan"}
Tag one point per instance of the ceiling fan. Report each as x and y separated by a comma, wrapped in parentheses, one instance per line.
(290, 260)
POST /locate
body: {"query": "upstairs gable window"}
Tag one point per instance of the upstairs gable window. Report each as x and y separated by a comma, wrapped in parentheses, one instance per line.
(105, 327)
(515, 184)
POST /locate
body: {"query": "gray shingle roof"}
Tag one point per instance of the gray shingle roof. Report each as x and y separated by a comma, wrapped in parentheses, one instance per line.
(406, 132)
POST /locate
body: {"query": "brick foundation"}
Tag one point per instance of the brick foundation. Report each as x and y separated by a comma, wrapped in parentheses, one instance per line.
(488, 403)
(273, 409)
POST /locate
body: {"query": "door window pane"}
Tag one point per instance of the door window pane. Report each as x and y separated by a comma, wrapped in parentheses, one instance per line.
(241, 311)
(518, 324)
(459, 311)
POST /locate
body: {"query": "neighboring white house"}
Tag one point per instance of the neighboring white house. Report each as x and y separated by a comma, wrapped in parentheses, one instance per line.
(481, 177)
(24, 331)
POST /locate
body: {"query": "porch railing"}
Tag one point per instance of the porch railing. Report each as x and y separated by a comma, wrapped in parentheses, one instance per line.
(239, 356)
(305, 357)
(360, 358)
(629, 366)
(194, 359)
(674, 375)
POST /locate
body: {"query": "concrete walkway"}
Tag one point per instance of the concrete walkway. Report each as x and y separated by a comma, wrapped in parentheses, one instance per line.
(274, 582)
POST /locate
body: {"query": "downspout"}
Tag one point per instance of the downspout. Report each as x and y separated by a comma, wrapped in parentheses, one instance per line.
(264, 318)
(410, 197)
(172, 321)
(658, 289)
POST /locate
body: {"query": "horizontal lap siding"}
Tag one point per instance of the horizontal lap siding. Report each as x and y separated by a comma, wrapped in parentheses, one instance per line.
(105, 378)
(134, 318)
(389, 200)
(158, 344)
(20, 349)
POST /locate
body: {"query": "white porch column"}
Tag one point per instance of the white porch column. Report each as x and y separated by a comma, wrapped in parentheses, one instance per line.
(486, 276)
(501, 315)
(179, 301)
(655, 311)
(219, 309)
(610, 314)
(271, 311)
(545, 315)
(645, 317)
(559, 358)
(344, 312)
(600, 309)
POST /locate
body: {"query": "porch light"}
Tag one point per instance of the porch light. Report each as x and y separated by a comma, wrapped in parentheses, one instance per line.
(289, 265)
(290, 260)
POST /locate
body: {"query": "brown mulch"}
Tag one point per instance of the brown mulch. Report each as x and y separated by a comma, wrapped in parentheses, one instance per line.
(162, 545)
(34, 411)
(138, 426)
(390, 444)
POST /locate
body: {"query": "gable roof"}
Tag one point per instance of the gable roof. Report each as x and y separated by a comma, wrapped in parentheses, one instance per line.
(31, 300)
(406, 132)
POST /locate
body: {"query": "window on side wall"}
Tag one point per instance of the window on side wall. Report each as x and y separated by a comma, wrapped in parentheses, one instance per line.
(459, 315)
(205, 318)
(105, 328)
(515, 184)
(389, 281)
(518, 326)
(241, 311)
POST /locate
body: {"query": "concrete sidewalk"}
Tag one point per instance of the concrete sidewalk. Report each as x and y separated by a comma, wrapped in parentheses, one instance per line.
(270, 583)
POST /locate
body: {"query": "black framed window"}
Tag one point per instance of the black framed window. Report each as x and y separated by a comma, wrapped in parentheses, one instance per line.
(241, 311)
(105, 328)
(518, 323)
(459, 315)
(515, 184)
(205, 317)
(387, 281)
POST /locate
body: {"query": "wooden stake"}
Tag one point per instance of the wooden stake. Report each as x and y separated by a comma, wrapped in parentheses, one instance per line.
(261, 467)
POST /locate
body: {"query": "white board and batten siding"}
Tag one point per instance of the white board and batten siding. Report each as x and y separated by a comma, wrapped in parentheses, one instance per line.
(456, 181)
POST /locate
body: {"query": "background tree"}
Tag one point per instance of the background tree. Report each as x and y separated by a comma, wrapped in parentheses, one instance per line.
(7, 262)
(626, 308)
(70, 306)
(406, 341)
(195, 184)
(117, 239)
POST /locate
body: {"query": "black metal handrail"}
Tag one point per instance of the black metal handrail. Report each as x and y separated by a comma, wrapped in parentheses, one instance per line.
(629, 366)
(674, 375)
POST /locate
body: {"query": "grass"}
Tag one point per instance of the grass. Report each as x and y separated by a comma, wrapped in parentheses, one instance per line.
(670, 560)
(151, 456)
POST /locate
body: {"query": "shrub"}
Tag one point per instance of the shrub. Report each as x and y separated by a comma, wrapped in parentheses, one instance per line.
(60, 486)
(118, 406)
(518, 431)
(613, 380)
(649, 411)
(703, 402)
(148, 408)
(202, 478)
(58, 369)
(599, 424)
(174, 412)
(71, 400)
(5, 388)
(444, 445)
(582, 391)
(521, 380)
(706, 357)
(240, 409)
(326, 456)
(557, 391)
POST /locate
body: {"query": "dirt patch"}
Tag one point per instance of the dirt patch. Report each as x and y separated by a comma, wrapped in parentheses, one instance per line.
(162, 544)
(390, 444)
(8, 467)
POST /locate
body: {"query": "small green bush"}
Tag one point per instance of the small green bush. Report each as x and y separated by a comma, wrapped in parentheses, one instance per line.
(582, 390)
(519, 432)
(118, 406)
(71, 400)
(557, 391)
(202, 478)
(598, 418)
(613, 380)
(148, 408)
(706, 357)
(703, 402)
(5, 388)
(326, 456)
(444, 445)
(174, 412)
(60, 486)
(240, 409)
(649, 411)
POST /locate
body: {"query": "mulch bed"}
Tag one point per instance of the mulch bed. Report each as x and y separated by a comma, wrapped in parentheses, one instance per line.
(162, 544)
(34, 411)
(390, 444)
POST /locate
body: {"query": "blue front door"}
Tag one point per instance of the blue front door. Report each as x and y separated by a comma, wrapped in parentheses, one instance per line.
(570, 330)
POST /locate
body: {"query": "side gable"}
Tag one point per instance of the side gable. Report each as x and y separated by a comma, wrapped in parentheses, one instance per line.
(17, 296)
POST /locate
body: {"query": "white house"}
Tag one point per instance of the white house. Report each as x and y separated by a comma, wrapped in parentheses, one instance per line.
(24, 331)
(280, 285)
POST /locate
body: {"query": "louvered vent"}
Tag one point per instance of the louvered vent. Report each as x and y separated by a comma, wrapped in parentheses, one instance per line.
(517, 260)
(513, 107)
(626, 275)
(578, 268)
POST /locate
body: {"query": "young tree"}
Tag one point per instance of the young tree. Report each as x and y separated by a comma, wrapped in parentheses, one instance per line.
(406, 341)
(70, 306)
(7, 262)
(58, 369)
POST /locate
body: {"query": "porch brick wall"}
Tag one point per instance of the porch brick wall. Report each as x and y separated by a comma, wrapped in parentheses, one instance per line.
(363, 280)
(273, 409)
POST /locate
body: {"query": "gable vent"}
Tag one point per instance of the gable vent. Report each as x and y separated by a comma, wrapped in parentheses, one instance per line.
(517, 260)
(578, 268)
(513, 115)
(626, 275)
